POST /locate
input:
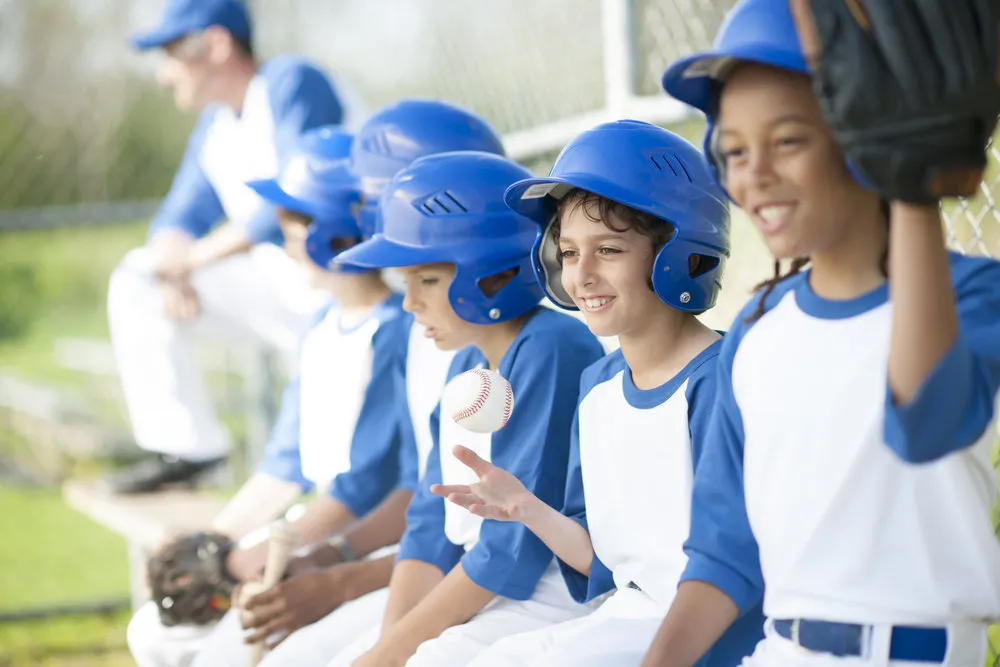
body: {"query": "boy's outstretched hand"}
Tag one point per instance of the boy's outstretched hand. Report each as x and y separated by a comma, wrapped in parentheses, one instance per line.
(498, 495)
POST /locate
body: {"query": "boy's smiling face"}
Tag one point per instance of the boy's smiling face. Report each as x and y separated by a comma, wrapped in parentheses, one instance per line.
(606, 272)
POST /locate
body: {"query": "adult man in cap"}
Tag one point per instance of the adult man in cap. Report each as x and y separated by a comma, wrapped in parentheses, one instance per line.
(211, 263)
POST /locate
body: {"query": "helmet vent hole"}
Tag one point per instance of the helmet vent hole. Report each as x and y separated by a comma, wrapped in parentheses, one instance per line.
(677, 166)
(442, 203)
(454, 201)
(652, 158)
(490, 286)
(378, 144)
(699, 265)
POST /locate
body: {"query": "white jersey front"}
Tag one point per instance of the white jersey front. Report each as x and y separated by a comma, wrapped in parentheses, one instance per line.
(863, 510)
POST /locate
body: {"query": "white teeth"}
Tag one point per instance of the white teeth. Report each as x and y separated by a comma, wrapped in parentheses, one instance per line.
(774, 213)
(596, 303)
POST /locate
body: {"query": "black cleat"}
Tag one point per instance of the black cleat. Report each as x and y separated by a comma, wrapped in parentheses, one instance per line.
(150, 474)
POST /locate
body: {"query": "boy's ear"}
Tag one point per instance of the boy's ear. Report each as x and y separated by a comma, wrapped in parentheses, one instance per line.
(491, 285)
(219, 44)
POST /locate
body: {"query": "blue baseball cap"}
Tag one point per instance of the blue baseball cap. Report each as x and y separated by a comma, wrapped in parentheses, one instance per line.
(182, 17)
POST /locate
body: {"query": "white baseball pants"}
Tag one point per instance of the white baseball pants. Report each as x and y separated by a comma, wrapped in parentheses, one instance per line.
(260, 297)
(619, 633)
(459, 645)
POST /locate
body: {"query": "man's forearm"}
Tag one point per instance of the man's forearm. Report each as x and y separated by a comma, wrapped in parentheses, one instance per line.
(224, 241)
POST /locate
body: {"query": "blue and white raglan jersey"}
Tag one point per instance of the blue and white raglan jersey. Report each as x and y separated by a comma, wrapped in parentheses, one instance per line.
(427, 369)
(632, 463)
(341, 425)
(543, 366)
(286, 97)
(852, 508)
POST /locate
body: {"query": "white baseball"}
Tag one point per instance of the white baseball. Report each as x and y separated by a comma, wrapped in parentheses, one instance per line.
(480, 400)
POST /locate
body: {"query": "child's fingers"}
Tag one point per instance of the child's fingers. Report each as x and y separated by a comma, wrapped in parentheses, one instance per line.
(471, 460)
(464, 499)
(488, 511)
(445, 490)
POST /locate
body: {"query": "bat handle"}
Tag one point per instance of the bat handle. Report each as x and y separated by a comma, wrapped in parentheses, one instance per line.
(280, 543)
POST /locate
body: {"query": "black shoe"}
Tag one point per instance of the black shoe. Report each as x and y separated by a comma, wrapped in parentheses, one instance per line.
(152, 473)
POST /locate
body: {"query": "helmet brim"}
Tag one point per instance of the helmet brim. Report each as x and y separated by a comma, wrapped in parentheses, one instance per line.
(694, 79)
(270, 191)
(379, 252)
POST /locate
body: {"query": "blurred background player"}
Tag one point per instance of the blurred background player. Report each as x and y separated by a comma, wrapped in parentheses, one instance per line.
(638, 245)
(341, 429)
(195, 277)
(390, 140)
(848, 463)
(466, 259)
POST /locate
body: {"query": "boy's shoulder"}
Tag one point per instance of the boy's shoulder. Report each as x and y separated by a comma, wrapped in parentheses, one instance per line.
(602, 370)
(547, 327)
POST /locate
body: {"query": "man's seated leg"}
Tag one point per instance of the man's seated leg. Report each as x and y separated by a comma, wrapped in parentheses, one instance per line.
(242, 299)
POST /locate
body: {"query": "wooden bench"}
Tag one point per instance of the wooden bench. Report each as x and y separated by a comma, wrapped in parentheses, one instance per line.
(145, 521)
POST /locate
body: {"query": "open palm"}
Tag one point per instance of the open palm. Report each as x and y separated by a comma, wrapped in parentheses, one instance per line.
(497, 495)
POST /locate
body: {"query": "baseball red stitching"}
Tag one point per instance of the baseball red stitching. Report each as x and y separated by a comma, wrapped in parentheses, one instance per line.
(508, 403)
(480, 400)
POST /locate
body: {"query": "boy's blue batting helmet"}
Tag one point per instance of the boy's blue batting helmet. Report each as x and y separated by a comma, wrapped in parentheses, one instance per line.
(651, 170)
(449, 208)
(316, 182)
(397, 134)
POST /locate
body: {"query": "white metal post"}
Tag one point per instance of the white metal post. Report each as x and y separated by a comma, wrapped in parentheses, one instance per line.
(619, 55)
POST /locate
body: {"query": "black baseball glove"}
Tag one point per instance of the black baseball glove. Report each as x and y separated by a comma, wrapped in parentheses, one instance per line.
(189, 581)
(909, 87)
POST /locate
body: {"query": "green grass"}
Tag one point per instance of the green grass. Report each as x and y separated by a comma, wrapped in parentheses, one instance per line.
(71, 268)
(53, 556)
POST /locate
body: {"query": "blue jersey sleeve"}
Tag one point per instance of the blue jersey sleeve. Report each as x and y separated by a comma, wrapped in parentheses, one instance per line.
(743, 635)
(582, 587)
(282, 458)
(956, 403)
(374, 469)
(721, 548)
(425, 539)
(302, 98)
(544, 374)
(191, 204)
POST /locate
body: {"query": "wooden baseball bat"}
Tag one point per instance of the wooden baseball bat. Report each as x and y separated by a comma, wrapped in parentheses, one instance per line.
(280, 542)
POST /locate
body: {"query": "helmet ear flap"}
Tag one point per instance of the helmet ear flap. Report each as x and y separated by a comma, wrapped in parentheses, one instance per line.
(687, 276)
(548, 268)
(472, 303)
